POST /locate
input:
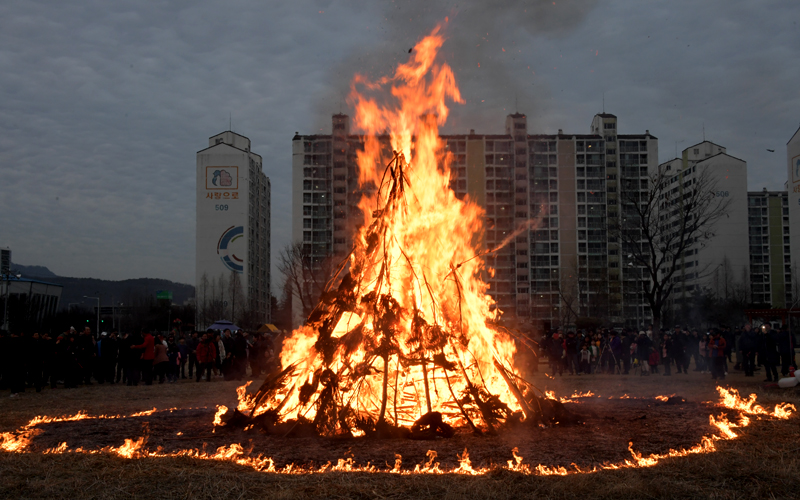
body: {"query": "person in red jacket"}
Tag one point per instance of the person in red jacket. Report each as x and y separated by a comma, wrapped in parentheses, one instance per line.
(206, 354)
(716, 350)
(148, 354)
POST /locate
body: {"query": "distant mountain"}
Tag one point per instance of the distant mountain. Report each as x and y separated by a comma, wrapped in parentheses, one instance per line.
(29, 271)
(128, 292)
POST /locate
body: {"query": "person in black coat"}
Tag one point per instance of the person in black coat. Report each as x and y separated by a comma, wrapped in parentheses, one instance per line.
(768, 352)
(14, 362)
(87, 354)
(643, 346)
(109, 351)
(678, 352)
(785, 349)
(50, 368)
(240, 355)
(557, 354)
(748, 345)
(33, 360)
(133, 358)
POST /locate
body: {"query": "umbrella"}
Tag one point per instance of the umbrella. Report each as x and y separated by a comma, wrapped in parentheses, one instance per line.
(222, 324)
(268, 328)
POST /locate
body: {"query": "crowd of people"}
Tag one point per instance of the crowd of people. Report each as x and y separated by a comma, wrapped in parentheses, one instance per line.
(81, 358)
(613, 352)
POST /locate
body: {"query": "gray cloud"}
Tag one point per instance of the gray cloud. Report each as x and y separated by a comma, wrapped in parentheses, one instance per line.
(105, 104)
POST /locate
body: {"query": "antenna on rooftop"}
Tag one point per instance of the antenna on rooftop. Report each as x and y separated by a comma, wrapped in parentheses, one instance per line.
(604, 103)
(704, 131)
(230, 121)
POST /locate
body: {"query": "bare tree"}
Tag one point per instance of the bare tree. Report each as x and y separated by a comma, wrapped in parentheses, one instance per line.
(235, 295)
(568, 293)
(202, 302)
(658, 226)
(305, 276)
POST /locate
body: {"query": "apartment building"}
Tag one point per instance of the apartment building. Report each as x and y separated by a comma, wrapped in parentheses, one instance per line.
(233, 218)
(793, 204)
(770, 252)
(564, 266)
(714, 263)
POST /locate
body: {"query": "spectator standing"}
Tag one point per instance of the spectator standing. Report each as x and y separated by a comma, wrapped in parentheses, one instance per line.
(34, 363)
(625, 354)
(585, 358)
(571, 352)
(748, 345)
(148, 354)
(678, 353)
(785, 345)
(15, 364)
(240, 355)
(183, 349)
(50, 360)
(191, 343)
(716, 348)
(616, 352)
(134, 356)
(206, 353)
(557, 354)
(768, 352)
(667, 348)
(693, 350)
(87, 354)
(174, 355)
(71, 356)
(160, 359)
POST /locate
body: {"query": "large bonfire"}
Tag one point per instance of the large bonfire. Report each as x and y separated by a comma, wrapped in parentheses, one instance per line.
(403, 330)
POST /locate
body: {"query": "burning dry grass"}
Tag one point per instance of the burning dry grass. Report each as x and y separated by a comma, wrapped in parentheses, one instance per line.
(761, 461)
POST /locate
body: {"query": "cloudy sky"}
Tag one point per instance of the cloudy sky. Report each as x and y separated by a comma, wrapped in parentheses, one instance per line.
(103, 105)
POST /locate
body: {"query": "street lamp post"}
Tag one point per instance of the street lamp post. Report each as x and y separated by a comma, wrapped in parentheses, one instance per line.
(97, 332)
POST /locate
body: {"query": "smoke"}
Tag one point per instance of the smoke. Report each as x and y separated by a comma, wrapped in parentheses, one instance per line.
(489, 46)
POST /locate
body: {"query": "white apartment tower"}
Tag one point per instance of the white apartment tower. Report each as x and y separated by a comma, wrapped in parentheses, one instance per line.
(716, 264)
(793, 201)
(233, 220)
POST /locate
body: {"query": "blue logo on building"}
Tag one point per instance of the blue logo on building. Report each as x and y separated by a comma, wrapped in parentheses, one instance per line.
(226, 245)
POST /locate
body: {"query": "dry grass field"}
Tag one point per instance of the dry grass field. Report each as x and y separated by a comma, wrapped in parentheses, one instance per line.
(764, 462)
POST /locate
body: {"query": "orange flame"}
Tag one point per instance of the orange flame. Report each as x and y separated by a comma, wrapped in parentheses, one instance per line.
(221, 410)
(246, 401)
(429, 265)
(732, 400)
(19, 442)
(131, 448)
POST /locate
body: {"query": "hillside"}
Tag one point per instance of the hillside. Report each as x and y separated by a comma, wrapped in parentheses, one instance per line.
(128, 292)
